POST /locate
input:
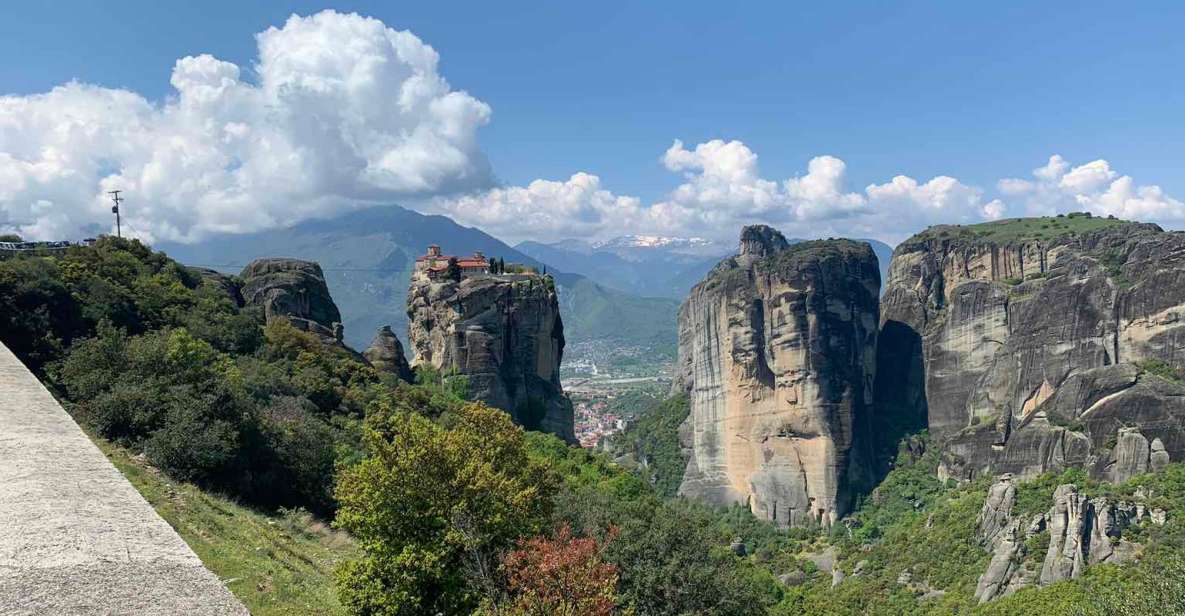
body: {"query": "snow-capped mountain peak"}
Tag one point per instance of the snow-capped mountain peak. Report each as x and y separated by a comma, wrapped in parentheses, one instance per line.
(652, 241)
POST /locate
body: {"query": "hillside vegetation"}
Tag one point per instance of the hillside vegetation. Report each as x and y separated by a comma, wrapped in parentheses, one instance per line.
(230, 428)
(1037, 228)
(276, 564)
(651, 442)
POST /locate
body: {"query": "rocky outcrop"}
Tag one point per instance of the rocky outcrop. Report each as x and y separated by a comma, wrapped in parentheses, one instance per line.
(1085, 531)
(1026, 345)
(503, 333)
(777, 353)
(385, 354)
(1082, 531)
(1004, 536)
(294, 290)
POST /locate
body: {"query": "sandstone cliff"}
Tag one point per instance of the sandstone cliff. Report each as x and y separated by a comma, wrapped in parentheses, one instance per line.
(776, 351)
(295, 290)
(504, 334)
(1037, 344)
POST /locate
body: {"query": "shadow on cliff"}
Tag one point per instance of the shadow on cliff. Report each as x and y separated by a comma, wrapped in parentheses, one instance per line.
(899, 400)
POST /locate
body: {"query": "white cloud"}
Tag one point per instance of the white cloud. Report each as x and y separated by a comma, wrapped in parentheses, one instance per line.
(721, 189)
(722, 183)
(576, 207)
(344, 111)
(1095, 187)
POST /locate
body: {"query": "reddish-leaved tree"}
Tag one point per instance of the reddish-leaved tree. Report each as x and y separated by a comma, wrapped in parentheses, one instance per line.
(561, 576)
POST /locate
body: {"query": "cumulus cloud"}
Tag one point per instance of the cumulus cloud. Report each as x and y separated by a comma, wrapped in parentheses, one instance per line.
(576, 207)
(1059, 186)
(343, 111)
(722, 188)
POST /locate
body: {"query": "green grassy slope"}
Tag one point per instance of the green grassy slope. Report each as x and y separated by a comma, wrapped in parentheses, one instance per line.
(275, 565)
(1038, 228)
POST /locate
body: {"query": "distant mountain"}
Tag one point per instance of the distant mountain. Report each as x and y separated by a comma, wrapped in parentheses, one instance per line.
(644, 265)
(368, 256)
(650, 265)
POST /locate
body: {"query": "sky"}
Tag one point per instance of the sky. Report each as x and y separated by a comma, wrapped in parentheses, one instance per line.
(552, 120)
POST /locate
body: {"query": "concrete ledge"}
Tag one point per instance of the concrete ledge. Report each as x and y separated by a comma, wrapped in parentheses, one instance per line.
(75, 536)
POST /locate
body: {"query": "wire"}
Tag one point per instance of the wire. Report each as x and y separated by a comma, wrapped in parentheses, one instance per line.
(324, 269)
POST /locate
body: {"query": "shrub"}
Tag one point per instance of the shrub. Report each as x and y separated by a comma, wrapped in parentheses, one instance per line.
(300, 456)
(191, 446)
(560, 576)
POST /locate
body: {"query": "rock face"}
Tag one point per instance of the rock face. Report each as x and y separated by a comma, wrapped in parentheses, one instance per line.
(385, 353)
(504, 334)
(1032, 355)
(294, 290)
(777, 354)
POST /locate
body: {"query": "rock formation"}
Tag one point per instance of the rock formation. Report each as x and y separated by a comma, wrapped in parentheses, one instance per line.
(1082, 531)
(385, 353)
(777, 354)
(1027, 346)
(504, 334)
(295, 290)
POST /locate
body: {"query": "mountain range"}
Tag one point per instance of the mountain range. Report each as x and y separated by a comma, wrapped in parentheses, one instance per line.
(650, 265)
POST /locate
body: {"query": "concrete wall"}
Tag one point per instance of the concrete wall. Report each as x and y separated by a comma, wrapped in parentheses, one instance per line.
(75, 536)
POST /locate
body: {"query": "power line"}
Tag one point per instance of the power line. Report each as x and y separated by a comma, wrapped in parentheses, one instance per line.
(324, 269)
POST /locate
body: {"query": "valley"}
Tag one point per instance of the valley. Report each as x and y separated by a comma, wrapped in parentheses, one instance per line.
(811, 428)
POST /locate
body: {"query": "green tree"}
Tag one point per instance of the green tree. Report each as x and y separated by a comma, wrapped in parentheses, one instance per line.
(670, 559)
(453, 272)
(434, 506)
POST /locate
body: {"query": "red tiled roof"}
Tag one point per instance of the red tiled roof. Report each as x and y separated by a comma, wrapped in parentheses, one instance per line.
(463, 263)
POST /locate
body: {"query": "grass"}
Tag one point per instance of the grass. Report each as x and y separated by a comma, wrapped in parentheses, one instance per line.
(275, 564)
(1024, 229)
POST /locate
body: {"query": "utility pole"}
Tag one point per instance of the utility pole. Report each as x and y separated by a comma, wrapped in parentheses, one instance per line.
(115, 198)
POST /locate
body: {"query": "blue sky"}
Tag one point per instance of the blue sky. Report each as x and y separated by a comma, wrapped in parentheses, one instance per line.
(975, 91)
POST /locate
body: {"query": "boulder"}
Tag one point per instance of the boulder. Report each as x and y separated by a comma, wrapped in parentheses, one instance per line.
(227, 285)
(385, 353)
(294, 290)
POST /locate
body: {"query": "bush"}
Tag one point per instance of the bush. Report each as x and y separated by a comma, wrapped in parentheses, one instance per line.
(671, 562)
(300, 456)
(560, 576)
(190, 446)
